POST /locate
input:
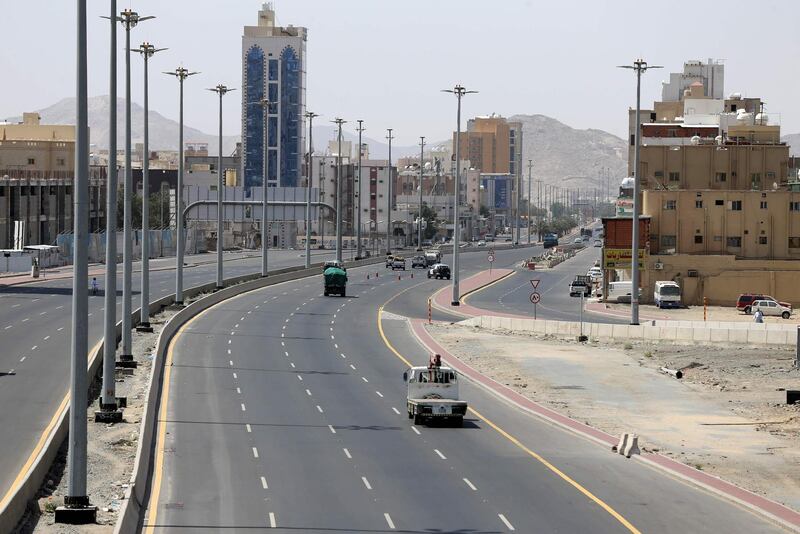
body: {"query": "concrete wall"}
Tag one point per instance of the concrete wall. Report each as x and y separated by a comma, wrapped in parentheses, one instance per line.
(617, 332)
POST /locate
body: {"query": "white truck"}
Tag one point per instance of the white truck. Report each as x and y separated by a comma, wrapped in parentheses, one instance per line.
(667, 294)
(433, 394)
(432, 257)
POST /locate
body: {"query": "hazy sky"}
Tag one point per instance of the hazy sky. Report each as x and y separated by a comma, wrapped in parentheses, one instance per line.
(385, 61)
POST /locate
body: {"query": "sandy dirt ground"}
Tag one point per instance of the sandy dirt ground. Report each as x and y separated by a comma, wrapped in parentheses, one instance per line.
(111, 451)
(727, 416)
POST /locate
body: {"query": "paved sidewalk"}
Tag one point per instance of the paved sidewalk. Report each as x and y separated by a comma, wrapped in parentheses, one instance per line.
(600, 309)
(757, 503)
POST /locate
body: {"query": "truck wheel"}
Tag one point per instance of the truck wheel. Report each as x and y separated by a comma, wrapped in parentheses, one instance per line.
(417, 419)
(786, 315)
(410, 414)
(458, 422)
(326, 293)
(747, 310)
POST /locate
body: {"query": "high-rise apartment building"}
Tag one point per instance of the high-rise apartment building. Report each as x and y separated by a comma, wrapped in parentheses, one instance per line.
(273, 67)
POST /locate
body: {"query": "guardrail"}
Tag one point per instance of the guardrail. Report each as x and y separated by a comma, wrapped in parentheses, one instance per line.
(131, 517)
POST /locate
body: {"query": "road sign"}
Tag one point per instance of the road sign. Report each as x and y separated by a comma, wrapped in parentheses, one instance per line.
(535, 283)
(491, 258)
(535, 297)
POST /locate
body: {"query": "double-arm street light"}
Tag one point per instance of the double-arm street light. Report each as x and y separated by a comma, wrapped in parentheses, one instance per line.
(146, 50)
(530, 177)
(221, 90)
(360, 130)
(389, 202)
(339, 214)
(181, 74)
(421, 157)
(459, 92)
(266, 106)
(639, 66)
(310, 116)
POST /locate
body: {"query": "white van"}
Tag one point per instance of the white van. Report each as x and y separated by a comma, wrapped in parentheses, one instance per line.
(667, 294)
(621, 291)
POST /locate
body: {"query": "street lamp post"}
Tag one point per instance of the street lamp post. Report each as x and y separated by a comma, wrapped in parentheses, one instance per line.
(639, 66)
(389, 200)
(360, 130)
(221, 90)
(181, 74)
(459, 92)
(518, 170)
(310, 116)
(76, 507)
(147, 50)
(108, 402)
(419, 221)
(530, 170)
(265, 104)
(129, 19)
(339, 123)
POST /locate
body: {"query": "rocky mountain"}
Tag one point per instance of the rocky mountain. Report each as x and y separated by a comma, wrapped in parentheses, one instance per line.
(793, 140)
(163, 131)
(570, 157)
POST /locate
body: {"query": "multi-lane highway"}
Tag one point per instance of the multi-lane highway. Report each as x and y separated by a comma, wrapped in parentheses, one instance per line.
(35, 328)
(285, 409)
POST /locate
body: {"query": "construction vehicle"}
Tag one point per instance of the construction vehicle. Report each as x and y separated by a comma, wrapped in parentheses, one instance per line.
(433, 394)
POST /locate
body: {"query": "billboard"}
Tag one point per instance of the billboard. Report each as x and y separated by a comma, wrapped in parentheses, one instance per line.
(498, 191)
(620, 258)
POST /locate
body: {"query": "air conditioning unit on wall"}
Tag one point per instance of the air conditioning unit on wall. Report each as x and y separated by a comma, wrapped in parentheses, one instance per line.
(692, 273)
(658, 266)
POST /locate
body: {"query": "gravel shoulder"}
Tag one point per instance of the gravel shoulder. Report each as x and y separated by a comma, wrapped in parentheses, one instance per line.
(727, 416)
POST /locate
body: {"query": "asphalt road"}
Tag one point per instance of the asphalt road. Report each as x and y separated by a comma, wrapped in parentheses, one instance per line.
(35, 324)
(286, 410)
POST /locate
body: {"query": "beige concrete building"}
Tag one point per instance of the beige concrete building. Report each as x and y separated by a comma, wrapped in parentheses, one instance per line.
(35, 150)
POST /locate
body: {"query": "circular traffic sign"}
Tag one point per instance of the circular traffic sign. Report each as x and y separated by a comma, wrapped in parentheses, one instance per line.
(491, 258)
(535, 297)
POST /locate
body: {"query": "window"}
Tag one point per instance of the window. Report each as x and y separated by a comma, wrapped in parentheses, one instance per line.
(668, 241)
(762, 240)
(698, 203)
(669, 204)
(719, 203)
(60, 162)
(755, 180)
(794, 206)
(721, 177)
(794, 242)
(254, 119)
(674, 177)
(633, 139)
(698, 240)
(770, 175)
(290, 117)
(31, 161)
(735, 205)
(735, 242)
(763, 204)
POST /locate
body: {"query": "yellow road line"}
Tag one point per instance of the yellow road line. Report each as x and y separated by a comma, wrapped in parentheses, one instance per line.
(616, 515)
(26, 467)
(479, 289)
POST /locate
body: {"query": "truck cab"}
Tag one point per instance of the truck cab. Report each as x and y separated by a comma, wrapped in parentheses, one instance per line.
(433, 395)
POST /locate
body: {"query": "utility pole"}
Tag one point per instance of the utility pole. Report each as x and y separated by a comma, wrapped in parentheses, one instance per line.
(459, 92)
(310, 116)
(518, 170)
(421, 157)
(76, 507)
(108, 403)
(181, 74)
(221, 90)
(639, 66)
(339, 214)
(147, 50)
(389, 200)
(360, 130)
(530, 170)
(265, 104)
(129, 19)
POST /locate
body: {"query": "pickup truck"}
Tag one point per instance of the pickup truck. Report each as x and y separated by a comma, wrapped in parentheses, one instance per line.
(433, 394)
(581, 284)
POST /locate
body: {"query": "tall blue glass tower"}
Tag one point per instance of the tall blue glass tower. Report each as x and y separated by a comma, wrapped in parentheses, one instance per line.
(273, 66)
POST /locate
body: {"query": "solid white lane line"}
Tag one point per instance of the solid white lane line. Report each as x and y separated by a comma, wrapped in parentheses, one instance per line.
(415, 429)
(333, 430)
(364, 379)
(507, 523)
(272, 523)
(439, 453)
(366, 482)
(255, 452)
(249, 429)
(347, 453)
(244, 409)
(470, 484)
(264, 483)
(379, 394)
(395, 410)
(308, 392)
(319, 409)
(389, 520)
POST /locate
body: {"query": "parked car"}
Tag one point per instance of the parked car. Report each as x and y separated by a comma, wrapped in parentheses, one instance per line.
(399, 263)
(419, 261)
(745, 301)
(578, 241)
(440, 270)
(598, 243)
(770, 307)
(481, 243)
